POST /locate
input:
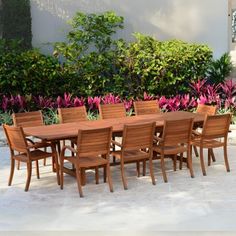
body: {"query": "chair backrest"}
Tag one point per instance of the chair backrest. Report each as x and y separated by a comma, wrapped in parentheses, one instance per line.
(146, 107)
(206, 109)
(216, 126)
(138, 136)
(15, 138)
(72, 114)
(94, 142)
(28, 119)
(108, 111)
(177, 132)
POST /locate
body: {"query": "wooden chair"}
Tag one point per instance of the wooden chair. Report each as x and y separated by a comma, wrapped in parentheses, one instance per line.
(137, 146)
(176, 139)
(22, 151)
(207, 110)
(214, 128)
(146, 107)
(93, 149)
(28, 119)
(111, 111)
(72, 114)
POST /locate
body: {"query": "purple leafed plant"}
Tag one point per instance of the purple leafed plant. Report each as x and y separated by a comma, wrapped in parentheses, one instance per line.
(128, 104)
(147, 97)
(13, 103)
(93, 102)
(111, 99)
(78, 102)
(43, 102)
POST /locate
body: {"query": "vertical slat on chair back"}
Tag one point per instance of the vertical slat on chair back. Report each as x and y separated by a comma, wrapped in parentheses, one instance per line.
(177, 131)
(138, 136)
(216, 126)
(28, 119)
(146, 107)
(206, 109)
(108, 111)
(94, 142)
(15, 137)
(72, 114)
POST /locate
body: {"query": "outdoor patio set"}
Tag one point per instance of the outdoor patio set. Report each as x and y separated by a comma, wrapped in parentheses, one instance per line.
(116, 139)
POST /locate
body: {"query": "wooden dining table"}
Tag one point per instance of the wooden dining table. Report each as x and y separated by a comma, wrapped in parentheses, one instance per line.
(70, 130)
(55, 133)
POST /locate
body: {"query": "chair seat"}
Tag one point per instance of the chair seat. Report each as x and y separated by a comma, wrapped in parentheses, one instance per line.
(207, 143)
(170, 149)
(87, 161)
(35, 155)
(131, 156)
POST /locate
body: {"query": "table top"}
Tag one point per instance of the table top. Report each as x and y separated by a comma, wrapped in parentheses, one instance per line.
(70, 130)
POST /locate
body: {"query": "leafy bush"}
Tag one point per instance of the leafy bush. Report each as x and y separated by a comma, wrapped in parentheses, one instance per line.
(164, 68)
(90, 53)
(29, 72)
(92, 63)
(220, 69)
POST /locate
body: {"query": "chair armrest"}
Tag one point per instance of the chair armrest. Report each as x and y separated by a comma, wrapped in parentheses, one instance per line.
(30, 141)
(65, 148)
(38, 144)
(116, 143)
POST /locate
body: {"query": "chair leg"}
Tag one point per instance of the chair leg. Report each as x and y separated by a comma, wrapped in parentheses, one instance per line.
(113, 149)
(61, 171)
(18, 165)
(96, 175)
(226, 159)
(144, 168)
(37, 169)
(202, 162)
(189, 161)
(83, 176)
(109, 177)
(45, 159)
(174, 162)
(213, 155)
(209, 156)
(163, 168)
(11, 171)
(181, 161)
(151, 171)
(55, 157)
(104, 174)
(123, 175)
(138, 168)
(72, 145)
(195, 151)
(29, 173)
(78, 177)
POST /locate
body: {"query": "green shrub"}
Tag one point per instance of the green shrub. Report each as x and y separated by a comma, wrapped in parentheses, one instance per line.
(162, 67)
(220, 69)
(90, 53)
(30, 72)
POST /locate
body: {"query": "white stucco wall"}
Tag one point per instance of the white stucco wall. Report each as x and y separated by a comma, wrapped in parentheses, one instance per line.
(203, 21)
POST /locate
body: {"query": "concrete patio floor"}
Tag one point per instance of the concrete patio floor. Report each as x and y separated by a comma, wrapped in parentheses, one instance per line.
(204, 203)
